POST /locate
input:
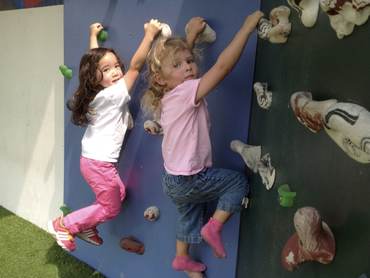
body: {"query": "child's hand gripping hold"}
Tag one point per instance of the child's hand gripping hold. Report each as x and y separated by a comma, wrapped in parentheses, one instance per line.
(95, 28)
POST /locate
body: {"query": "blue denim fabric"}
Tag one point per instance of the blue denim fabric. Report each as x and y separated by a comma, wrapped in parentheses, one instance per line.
(191, 193)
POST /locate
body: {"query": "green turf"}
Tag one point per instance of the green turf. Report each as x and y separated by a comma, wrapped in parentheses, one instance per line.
(30, 252)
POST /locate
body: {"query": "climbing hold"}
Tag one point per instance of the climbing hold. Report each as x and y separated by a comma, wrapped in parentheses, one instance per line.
(313, 240)
(151, 213)
(153, 127)
(131, 244)
(207, 36)
(67, 72)
(345, 15)
(102, 36)
(166, 30)
(65, 210)
(245, 202)
(266, 171)
(250, 154)
(129, 120)
(252, 158)
(277, 28)
(347, 124)
(264, 97)
(286, 197)
(308, 10)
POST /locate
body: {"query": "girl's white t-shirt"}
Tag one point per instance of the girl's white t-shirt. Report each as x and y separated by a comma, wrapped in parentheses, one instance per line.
(104, 134)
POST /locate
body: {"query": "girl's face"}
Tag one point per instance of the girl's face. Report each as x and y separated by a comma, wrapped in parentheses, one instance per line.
(109, 70)
(177, 69)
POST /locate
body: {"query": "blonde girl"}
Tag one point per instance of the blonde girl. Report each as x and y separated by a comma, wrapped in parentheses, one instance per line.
(176, 95)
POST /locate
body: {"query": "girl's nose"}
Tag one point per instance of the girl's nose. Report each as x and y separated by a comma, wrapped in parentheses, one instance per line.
(187, 67)
(116, 71)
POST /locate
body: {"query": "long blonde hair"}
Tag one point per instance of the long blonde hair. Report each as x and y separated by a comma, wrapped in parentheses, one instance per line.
(163, 48)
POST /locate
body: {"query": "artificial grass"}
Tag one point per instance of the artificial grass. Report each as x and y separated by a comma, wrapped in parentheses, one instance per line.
(30, 252)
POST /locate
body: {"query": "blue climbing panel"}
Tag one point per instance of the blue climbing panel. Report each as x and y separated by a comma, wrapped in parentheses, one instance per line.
(141, 161)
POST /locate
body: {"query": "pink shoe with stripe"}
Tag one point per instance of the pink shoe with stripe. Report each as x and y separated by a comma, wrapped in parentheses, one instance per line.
(91, 236)
(63, 237)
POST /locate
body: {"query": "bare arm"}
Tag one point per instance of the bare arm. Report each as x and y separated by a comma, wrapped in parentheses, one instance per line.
(151, 31)
(194, 27)
(95, 28)
(228, 57)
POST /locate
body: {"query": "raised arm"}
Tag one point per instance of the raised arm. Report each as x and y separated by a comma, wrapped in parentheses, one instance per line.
(151, 30)
(194, 27)
(228, 57)
(95, 28)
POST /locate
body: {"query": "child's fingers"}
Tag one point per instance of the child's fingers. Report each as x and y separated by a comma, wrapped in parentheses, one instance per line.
(95, 28)
(96, 25)
(153, 23)
(253, 19)
(156, 23)
(257, 14)
(198, 21)
(198, 18)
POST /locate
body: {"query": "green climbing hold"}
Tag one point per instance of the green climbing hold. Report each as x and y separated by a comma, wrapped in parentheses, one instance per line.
(102, 36)
(66, 210)
(67, 72)
(286, 197)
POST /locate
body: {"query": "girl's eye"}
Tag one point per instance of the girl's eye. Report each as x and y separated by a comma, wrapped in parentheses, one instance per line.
(106, 70)
(190, 61)
(176, 65)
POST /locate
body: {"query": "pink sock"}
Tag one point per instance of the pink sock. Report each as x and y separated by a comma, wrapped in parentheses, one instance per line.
(185, 263)
(211, 233)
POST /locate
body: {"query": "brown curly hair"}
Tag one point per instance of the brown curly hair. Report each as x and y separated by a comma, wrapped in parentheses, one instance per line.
(89, 85)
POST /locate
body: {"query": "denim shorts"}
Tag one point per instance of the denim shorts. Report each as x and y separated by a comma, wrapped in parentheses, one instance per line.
(190, 194)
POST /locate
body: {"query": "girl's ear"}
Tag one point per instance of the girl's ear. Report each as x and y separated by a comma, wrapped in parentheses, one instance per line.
(159, 79)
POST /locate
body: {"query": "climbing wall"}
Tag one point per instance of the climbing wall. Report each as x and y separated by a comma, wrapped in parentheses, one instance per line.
(141, 163)
(321, 174)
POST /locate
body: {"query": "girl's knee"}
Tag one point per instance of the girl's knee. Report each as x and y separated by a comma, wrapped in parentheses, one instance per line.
(111, 211)
(241, 177)
(241, 182)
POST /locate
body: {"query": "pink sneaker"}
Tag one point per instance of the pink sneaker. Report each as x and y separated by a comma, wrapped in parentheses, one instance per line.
(91, 236)
(64, 238)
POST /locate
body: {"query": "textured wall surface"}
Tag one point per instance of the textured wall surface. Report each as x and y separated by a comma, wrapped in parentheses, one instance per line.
(323, 176)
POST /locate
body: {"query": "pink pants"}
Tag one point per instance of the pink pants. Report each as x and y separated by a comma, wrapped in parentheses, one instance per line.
(104, 180)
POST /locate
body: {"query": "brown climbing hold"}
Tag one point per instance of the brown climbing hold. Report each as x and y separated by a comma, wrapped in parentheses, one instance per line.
(313, 240)
(131, 244)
